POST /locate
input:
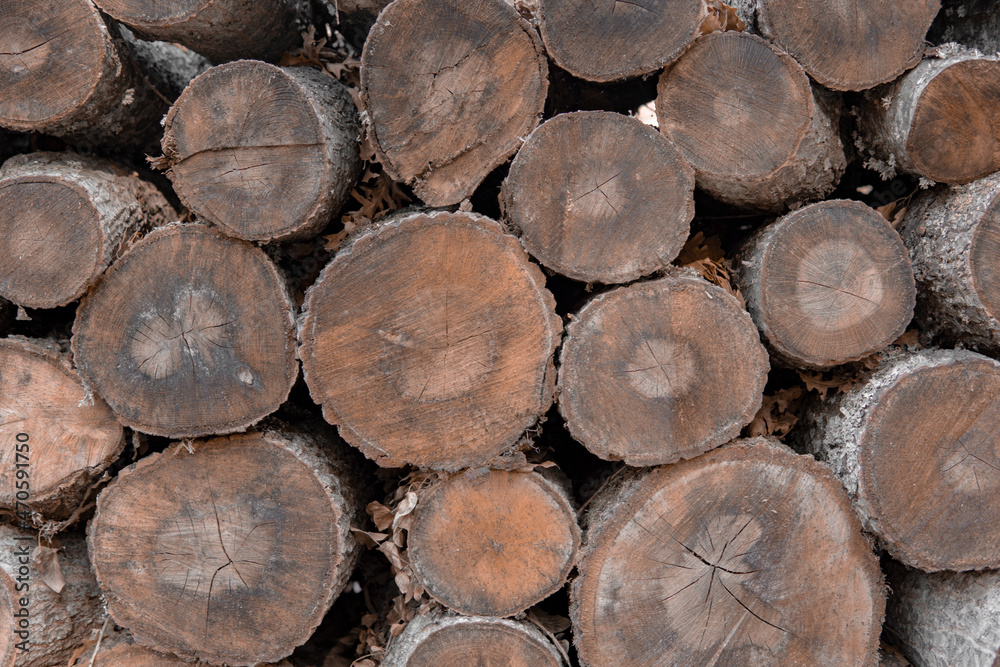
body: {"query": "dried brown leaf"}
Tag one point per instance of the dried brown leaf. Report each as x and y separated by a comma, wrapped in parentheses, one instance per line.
(380, 514)
(815, 381)
(721, 17)
(911, 339)
(778, 413)
(46, 562)
(370, 540)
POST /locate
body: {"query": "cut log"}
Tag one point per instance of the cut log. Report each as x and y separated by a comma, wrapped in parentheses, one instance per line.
(660, 371)
(600, 197)
(65, 219)
(939, 121)
(493, 543)
(615, 39)
(50, 625)
(444, 640)
(451, 89)
(916, 446)
(744, 115)
(430, 341)
(132, 655)
(266, 153)
(943, 619)
(220, 30)
(69, 73)
(849, 45)
(57, 436)
(827, 284)
(189, 333)
(243, 530)
(953, 235)
(748, 555)
(971, 23)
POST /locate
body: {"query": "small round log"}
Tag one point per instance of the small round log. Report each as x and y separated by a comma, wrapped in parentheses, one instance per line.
(57, 436)
(660, 371)
(198, 551)
(189, 333)
(953, 235)
(220, 30)
(55, 624)
(616, 39)
(600, 197)
(748, 555)
(916, 446)
(849, 46)
(66, 218)
(827, 284)
(69, 73)
(266, 153)
(451, 88)
(744, 115)
(493, 544)
(430, 340)
(444, 640)
(943, 619)
(939, 121)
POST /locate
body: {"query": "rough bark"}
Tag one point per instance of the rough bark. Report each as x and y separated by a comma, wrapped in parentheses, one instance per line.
(493, 543)
(57, 436)
(943, 619)
(451, 90)
(220, 30)
(66, 218)
(189, 333)
(744, 115)
(939, 121)
(972, 23)
(429, 341)
(266, 153)
(70, 73)
(57, 623)
(616, 39)
(600, 197)
(445, 640)
(847, 45)
(245, 549)
(827, 284)
(748, 555)
(953, 234)
(660, 371)
(915, 444)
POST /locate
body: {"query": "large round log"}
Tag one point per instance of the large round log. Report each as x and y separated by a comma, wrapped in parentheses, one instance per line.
(57, 437)
(827, 284)
(40, 626)
(429, 341)
(660, 371)
(616, 39)
(199, 552)
(939, 121)
(953, 234)
(69, 73)
(600, 197)
(943, 619)
(220, 30)
(744, 115)
(456, 641)
(189, 333)
(493, 544)
(451, 89)
(748, 555)
(264, 152)
(849, 45)
(916, 446)
(66, 218)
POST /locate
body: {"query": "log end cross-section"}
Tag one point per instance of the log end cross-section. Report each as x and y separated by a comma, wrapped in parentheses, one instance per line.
(430, 341)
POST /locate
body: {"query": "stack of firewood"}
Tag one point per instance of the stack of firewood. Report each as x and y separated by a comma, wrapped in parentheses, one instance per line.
(631, 332)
